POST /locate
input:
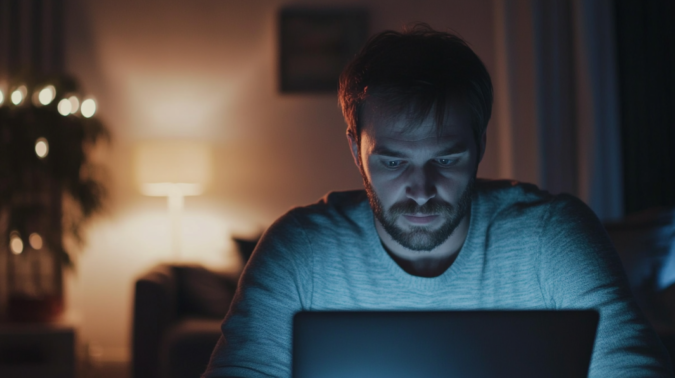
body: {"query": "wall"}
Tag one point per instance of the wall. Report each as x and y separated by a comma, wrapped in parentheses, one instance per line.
(205, 70)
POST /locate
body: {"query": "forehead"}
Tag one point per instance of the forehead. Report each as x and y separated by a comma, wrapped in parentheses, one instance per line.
(382, 127)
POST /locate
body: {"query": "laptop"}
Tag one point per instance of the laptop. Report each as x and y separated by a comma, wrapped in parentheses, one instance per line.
(467, 344)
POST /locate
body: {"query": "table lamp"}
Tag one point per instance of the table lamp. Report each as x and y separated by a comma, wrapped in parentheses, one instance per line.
(173, 169)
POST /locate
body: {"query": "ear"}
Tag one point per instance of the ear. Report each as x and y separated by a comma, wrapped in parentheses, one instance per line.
(354, 148)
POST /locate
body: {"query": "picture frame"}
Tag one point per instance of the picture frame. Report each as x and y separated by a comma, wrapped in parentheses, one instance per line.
(315, 45)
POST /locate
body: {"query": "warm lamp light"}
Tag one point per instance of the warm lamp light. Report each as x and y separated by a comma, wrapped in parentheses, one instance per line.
(173, 169)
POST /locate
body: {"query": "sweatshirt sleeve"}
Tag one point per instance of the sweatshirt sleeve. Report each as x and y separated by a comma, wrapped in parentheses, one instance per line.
(276, 283)
(579, 268)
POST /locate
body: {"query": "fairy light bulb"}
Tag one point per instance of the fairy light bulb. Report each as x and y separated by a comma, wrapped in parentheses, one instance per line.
(15, 243)
(64, 107)
(47, 95)
(88, 108)
(35, 241)
(18, 95)
(41, 148)
(74, 104)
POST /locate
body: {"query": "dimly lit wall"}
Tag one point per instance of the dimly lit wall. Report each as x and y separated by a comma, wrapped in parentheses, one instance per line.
(206, 70)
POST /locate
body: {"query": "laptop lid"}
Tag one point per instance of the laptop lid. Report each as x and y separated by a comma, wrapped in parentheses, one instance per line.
(392, 344)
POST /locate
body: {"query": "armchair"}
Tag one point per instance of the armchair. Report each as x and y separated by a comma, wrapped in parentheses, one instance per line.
(178, 310)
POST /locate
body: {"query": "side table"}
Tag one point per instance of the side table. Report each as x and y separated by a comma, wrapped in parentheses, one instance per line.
(32, 350)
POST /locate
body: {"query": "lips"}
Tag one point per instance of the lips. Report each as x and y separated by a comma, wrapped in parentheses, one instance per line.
(420, 219)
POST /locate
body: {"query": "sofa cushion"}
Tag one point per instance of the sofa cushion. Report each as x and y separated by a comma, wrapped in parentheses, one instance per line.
(202, 292)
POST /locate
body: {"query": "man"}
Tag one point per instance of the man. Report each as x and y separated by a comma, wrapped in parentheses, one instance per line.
(426, 234)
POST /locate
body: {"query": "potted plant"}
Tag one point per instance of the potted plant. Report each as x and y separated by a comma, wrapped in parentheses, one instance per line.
(49, 187)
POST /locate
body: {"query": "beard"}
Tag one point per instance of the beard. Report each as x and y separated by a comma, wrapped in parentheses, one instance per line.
(421, 238)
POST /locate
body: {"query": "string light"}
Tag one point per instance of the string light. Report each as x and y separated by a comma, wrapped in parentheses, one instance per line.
(18, 95)
(47, 95)
(36, 98)
(41, 148)
(15, 243)
(35, 241)
(88, 108)
(64, 107)
(74, 104)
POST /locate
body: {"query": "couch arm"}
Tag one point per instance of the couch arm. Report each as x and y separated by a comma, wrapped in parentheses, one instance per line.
(154, 311)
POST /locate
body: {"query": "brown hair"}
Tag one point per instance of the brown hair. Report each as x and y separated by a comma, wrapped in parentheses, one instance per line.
(413, 73)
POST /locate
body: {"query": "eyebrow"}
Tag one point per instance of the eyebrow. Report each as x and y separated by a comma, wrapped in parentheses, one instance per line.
(380, 150)
(456, 149)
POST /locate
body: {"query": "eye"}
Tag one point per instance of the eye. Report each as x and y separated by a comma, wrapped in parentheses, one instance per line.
(446, 162)
(393, 163)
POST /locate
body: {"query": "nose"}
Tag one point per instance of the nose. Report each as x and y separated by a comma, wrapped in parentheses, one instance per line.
(421, 185)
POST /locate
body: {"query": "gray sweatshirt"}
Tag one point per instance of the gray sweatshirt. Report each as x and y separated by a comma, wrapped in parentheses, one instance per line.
(525, 249)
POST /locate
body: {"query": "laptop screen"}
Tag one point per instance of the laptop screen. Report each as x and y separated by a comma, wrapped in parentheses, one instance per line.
(394, 344)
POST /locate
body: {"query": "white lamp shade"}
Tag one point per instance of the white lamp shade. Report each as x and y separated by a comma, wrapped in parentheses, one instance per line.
(162, 167)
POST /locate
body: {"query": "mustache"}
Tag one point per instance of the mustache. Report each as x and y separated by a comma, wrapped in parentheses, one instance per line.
(433, 206)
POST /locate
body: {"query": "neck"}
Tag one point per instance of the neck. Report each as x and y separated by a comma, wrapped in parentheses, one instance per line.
(426, 263)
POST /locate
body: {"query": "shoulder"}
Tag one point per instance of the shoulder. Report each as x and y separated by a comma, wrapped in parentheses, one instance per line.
(288, 246)
(559, 222)
(334, 210)
(333, 203)
(525, 206)
(508, 200)
(505, 193)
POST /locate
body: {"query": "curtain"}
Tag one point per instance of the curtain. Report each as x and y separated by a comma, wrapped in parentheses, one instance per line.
(557, 101)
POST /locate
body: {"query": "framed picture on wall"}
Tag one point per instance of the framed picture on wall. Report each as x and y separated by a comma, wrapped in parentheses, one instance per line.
(315, 44)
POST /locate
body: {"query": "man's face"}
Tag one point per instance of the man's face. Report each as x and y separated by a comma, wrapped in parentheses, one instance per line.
(419, 182)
